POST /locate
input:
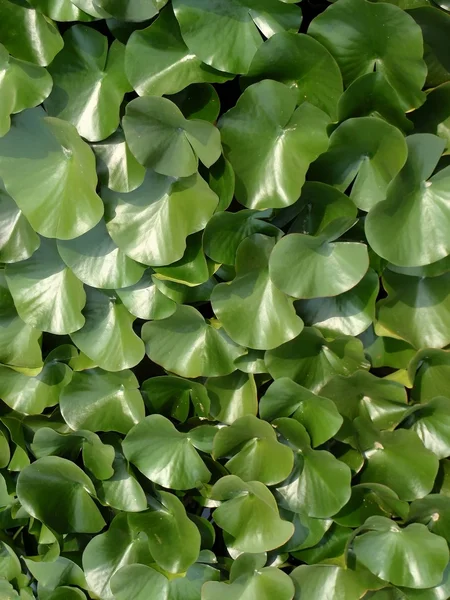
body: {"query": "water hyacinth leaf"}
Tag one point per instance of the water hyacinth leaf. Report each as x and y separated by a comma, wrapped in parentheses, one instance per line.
(165, 455)
(249, 513)
(319, 581)
(91, 8)
(46, 293)
(186, 331)
(52, 574)
(90, 94)
(435, 25)
(302, 63)
(366, 151)
(434, 512)
(431, 423)
(151, 223)
(232, 396)
(61, 10)
(386, 351)
(173, 396)
(270, 144)
(162, 139)
(145, 300)
(58, 493)
(385, 548)
(98, 400)
(198, 101)
(193, 268)
(132, 11)
(251, 309)
(312, 361)
(140, 581)
(97, 261)
(62, 202)
(434, 115)
(27, 34)
(376, 37)
(234, 29)
(430, 369)
(157, 61)
(368, 500)
(18, 240)
(116, 347)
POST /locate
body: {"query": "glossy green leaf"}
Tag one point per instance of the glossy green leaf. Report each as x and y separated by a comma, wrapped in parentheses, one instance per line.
(140, 581)
(367, 500)
(270, 144)
(434, 115)
(431, 423)
(133, 10)
(61, 10)
(173, 396)
(430, 369)
(144, 299)
(232, 396)
(316, 582)
(18, 240)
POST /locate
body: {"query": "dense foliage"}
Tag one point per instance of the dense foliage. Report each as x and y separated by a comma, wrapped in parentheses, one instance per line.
(224, 300)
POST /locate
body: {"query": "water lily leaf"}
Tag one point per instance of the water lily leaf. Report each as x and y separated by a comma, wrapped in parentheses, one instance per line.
(186, 331)
(140, 581)
(386, 549)
(18, 240)
(108, 552)
(116, 347)
(164, 455)
(372, 95)
(432, 424)
(172, 396)
(319, 415)
(52, 574)
(386, 351)
(249, 513)
(434, 512)
(303, 266)
(234, 29)
(45, 291)
(319, 485)
(376, 37)
(193, 268)
(410, 194)
(249, 578)
(61, 10)
(368, 500)
(312, 361)
(132, 10)
(225, 231)
(434, 115)
(27, 34)
(90, 93)
(151, 223)
(58, 493)
(435, 26)
(162, 139)
(255, 452)
(410, 296)
(62, 202)
(349, 313)
(388, 455)
(300, 62)
(97, 400)
(98, 457)
(23, 85)
(316, 582)
(270, 144)
(144, 300)
(157, 61)
(173, 539)
(232, 396)
(116, 167)
(251, 309)
(430, 369)
(198, 101)
(97, 261)
(366, 151)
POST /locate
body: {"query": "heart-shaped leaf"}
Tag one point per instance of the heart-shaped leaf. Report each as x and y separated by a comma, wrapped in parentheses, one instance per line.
(430, 370)
(140, 581)
(18, 240)
(144, 300)
(431, 423)
(232, 396)
(173, 395)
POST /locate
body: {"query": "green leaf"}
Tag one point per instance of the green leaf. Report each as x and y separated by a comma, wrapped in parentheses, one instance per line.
(434, 115)
(45, 291)
(7, 591)
(430, 369)
(319, 415)
(432, 424)
(173, 539)
(185, 332)
(58, 493)
(131, 10)
(60, 10)
(18, 240)
(55, 573)
(221, 180)
(62, 201)
(300, 62)
(246, 306)
(172, 396)
(141, 582)
(165, 455)
(368, 500)
(157, 61)
(312, 361)
(270, 144)
(151, 223)
(67, 593)
(255, 451)
(316, 582)
(90, 93)
(232, 396)
(27, 34)
(97, 261)
(411, 557)
(101, 401)
(434, 512)
(249, 513)
(162, 139)
(198, 101)
(409, 196)
(144, 300)
(365, 151)
(376, 36)
(115, 347)
(233, 27)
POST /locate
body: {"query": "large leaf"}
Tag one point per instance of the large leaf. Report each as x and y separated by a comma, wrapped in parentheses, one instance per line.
(62, 202)
(431, 423)
(18, 240)
(172, 396)
(174, 343)
(140, 581)
(271, 143)
(90, 93)
(233, 27)
(376, 36)
(61, 10)
(45, 291)
(232, 396)
(317, 582)
(431, 370)
(408, 198)
(151, 223)
(145, 300)
(434, 115)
